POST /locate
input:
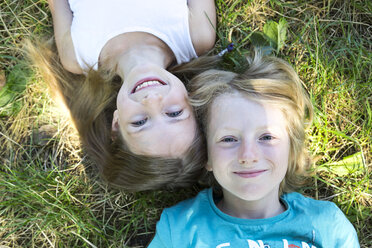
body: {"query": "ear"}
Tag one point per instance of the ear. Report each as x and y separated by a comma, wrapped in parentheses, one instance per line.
(208, 166)
(115, 122)
(115, 125)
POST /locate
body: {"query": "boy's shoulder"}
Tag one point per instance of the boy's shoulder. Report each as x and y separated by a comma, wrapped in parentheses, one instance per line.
(199, 201)
(190, 212)
(328, 220)
(177, 224)
(300, 198)
(306, 205)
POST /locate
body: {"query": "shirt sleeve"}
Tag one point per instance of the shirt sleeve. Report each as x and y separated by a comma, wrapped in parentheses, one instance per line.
(346, 235)
(162, 238)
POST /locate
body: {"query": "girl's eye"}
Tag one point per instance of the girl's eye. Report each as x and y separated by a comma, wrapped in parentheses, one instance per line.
(228, 139)
(267, 137)
(139, 123)
(174, 114)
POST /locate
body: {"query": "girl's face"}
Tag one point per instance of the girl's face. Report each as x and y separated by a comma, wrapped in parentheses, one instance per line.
(153, 114)
(248, 147)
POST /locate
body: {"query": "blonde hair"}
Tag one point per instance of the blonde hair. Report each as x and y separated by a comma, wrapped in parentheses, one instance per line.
(90, 99)
(266, 79)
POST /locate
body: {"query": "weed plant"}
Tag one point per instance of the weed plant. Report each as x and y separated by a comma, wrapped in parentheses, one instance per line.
(50, 195)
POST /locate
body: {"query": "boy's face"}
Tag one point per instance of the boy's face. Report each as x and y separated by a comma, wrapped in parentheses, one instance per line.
(248, 147)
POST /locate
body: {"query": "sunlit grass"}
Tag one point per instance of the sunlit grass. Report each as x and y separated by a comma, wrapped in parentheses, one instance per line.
(50, 196)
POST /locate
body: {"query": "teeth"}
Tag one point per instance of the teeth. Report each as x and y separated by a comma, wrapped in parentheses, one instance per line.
(148, 83)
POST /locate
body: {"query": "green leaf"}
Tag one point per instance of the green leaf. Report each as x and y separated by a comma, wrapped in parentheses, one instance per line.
(259, 39)
(349, 165)
(13, 89)
(276, 33)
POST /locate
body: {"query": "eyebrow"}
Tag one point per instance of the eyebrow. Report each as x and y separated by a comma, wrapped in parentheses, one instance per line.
(218, 131)
(172, 121)
(230, 129)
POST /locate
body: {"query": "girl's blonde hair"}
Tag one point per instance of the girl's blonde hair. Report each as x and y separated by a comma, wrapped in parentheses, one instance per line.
(91, 101)
(266, 79)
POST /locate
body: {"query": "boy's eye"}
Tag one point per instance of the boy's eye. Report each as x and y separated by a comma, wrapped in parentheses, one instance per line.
(174, 114)
(139, 123)
(228, 139)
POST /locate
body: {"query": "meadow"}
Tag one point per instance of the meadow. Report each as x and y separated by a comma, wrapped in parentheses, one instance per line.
(50, 193)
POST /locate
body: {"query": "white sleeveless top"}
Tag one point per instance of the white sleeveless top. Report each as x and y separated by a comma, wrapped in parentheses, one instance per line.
(95, 22)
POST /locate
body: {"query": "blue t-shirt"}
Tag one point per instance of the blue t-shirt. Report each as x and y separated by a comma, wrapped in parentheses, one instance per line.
(306, 223)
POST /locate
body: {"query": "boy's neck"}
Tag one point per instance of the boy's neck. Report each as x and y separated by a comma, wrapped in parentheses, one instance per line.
(267, 207)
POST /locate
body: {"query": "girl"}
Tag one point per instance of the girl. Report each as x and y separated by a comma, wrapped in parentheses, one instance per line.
(146, 137)
(255, 128)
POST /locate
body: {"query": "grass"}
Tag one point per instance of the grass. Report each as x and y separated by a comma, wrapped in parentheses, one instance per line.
(50, 195)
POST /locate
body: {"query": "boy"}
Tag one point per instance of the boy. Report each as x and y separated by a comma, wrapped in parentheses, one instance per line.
(255, 129)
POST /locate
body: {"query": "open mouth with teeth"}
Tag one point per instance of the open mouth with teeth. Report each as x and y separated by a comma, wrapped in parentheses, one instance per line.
(147, 82)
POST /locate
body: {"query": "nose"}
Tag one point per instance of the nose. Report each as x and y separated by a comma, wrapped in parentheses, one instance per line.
(152, 98)
(248, 153)
(151, 94)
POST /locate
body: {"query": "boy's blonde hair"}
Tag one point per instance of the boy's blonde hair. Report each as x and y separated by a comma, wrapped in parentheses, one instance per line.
(266, 79)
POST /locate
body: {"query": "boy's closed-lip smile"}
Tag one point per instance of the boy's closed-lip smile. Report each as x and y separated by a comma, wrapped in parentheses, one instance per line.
(250, 173)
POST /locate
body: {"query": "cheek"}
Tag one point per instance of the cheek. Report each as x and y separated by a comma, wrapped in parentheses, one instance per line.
(220, 158)
(279, 156)
(122, 96)
(178, 89)
(122, 103)
(128, 108)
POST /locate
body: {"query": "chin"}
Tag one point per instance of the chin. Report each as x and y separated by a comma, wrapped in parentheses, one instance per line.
(250, 193)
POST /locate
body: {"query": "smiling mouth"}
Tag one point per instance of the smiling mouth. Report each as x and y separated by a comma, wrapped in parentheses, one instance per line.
(249, 174)
(147, 82)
